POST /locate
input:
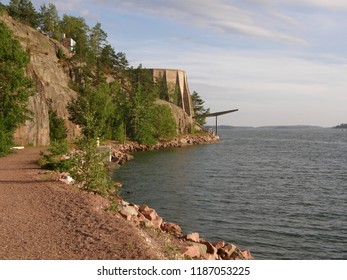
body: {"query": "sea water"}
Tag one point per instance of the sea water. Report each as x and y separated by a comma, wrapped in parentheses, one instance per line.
(281, 193)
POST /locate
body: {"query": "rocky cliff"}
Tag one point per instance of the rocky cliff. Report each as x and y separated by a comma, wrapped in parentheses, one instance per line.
(51, 83)
(51, 78)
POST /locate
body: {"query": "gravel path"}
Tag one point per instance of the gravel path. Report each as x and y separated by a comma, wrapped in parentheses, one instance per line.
(41, 218)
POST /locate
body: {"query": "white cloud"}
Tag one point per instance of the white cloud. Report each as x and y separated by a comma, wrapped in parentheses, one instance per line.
(219, 15)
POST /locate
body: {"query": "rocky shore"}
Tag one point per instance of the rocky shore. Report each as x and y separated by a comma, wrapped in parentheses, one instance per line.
(191, 246)
(121, 153)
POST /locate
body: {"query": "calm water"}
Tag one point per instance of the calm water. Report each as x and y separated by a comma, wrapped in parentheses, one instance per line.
(282, 193)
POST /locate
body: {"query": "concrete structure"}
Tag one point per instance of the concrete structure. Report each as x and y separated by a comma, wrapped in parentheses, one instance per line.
(177, 87)
(68, 43)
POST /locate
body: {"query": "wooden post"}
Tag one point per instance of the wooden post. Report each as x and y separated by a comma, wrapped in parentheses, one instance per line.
(216, 125)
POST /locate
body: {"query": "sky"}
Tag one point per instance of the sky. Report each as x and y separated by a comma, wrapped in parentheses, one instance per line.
(280, 62)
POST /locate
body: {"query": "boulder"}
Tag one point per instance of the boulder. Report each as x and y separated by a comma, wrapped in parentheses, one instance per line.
(227, 251)
(143, 207)
(171, 228)
(247, 254)
(194, 237)
(191, 252)
(219, 244)
(157, 222)
(150, 214)
(210, 248)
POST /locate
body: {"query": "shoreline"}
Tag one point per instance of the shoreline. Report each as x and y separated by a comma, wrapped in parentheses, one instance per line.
(192, 245)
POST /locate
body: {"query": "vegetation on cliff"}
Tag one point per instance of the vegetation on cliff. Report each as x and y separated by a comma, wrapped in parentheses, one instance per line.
(115, 101)
(15, 88)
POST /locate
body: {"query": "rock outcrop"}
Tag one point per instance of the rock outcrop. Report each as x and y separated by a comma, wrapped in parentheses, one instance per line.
(51, 84)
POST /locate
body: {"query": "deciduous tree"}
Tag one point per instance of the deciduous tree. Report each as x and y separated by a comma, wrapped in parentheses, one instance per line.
(15, 87)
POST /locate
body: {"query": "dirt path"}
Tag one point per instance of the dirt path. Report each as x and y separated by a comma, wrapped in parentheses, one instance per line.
(45, 219)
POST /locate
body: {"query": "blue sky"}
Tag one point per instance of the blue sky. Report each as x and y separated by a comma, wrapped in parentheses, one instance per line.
(280, 62)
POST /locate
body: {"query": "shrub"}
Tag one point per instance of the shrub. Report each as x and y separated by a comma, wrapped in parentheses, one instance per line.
(55, 160)
(90, 171)
(57, 129)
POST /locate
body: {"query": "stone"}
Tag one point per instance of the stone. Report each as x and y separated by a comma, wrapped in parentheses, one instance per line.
(210, 248)
(171, 228)
(131, 210)
(143, 207)
(194, 237)
(202, 248)
(150, 214)
(237, 255)
(227, 251)
(191, 252)
(157, 222)
(125, 214)
(219, 244)
(247, 254)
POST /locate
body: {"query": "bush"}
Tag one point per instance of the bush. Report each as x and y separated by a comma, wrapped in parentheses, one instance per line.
(90, 171)
(57, 129)
(55, 160)
(60, 53)
(163, 122)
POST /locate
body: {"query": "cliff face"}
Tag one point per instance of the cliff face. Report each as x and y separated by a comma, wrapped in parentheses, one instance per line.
(51, 83)
(51, 80)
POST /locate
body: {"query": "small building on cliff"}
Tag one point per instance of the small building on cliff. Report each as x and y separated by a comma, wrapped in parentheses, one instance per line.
(68, 43)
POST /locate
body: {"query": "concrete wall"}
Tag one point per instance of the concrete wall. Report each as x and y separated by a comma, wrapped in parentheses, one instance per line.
(177, 84)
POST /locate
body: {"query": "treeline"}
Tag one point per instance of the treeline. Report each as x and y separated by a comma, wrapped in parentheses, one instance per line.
(120, 109)
(115, 101)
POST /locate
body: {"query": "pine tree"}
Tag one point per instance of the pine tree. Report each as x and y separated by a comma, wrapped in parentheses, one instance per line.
(199, 109)
(24, 11)
(49, 19)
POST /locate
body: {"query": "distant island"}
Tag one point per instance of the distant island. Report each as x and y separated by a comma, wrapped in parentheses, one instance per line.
(266, 127)
(343, 125)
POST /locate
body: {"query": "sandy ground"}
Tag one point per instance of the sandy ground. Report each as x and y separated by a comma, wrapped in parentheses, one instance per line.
(42, 218)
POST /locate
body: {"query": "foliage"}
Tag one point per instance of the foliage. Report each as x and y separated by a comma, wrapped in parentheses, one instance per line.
(57, 129)
(163, 91)
(2, 8)
(49, 20)
(163, 122)
(90, 171)
(76, 28)
(55, 160)
(199, 109)
(15, 88)
(60, 53)
(92, 111)
(24, 11)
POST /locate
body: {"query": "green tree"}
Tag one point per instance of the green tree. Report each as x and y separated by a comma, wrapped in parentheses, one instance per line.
(77, 29)
(57, 128)
(24, 11)
(49, 19)
(163, 122)
(98, 39)
(92, 111)
(199, 109)
(15, 87)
